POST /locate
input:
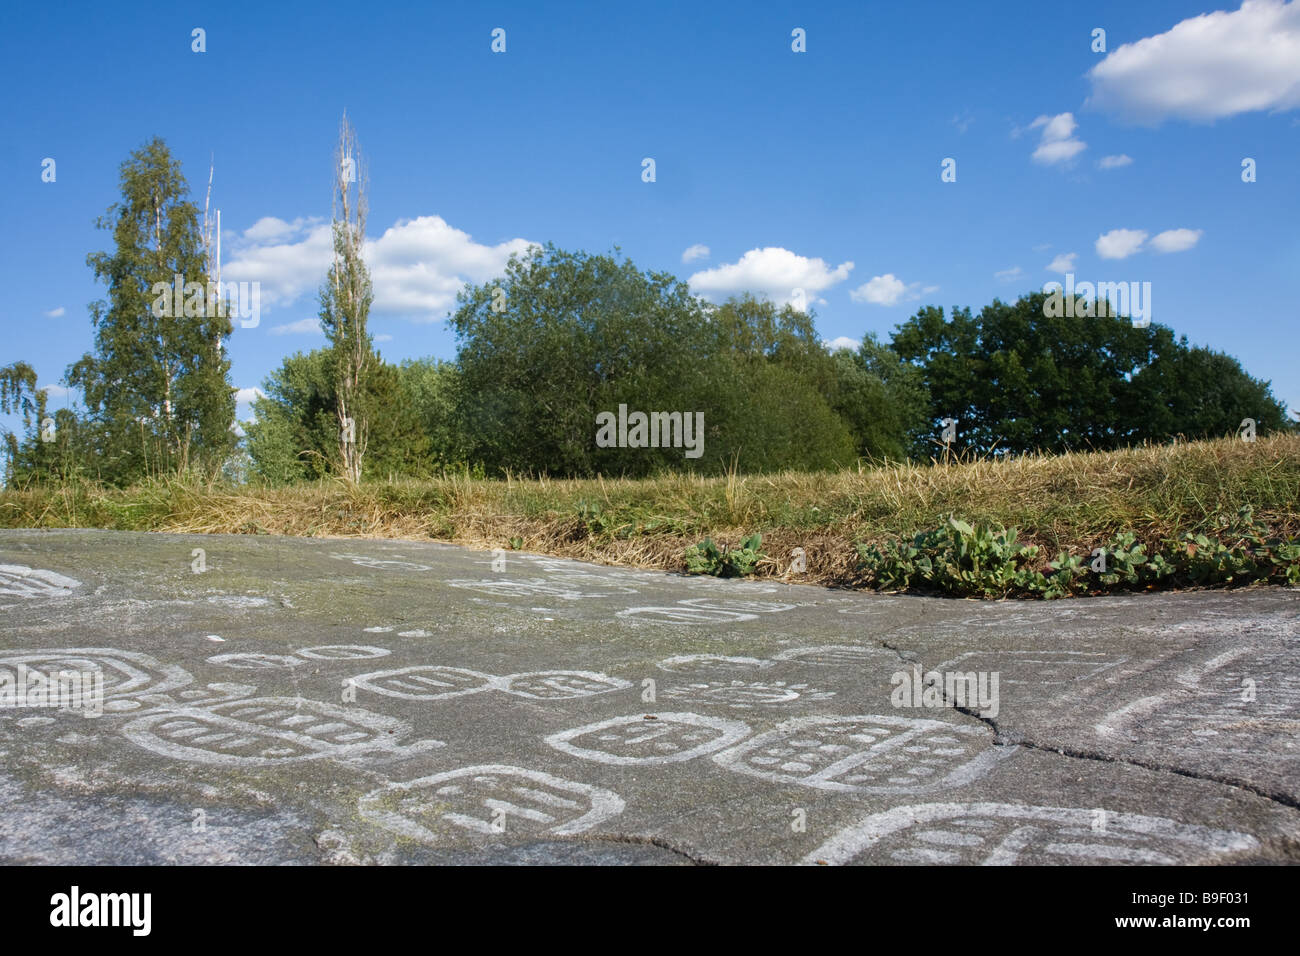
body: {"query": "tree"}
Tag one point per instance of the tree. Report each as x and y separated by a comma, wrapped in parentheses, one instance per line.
(432, 389)
(881, 398)
(1200, 393)
(17, 396)
(345, 305)
(1019, 378)
(294, 434)
(563, 336)
(156, 388)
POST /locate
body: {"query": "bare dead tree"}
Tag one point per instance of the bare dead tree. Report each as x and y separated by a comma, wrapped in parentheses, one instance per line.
(345, 302)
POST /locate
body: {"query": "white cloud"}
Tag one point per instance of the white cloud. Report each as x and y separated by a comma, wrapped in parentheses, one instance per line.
(697, 251)
(1063, 263)
(887, 290)
(244, 395)
(269, 229)
(300, 327)
(842, 342)
(1114, 162)
(53, 391)
(1176, 240)
(385, 337)
(1057, 143)
(287, 259)
(1206, 67)
(1006, 275)
(772, 271)
(1120, 243)
(55, 312)
(417, 266)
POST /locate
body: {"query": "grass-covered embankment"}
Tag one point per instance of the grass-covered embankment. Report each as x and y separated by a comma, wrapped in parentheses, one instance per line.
(1073, 503)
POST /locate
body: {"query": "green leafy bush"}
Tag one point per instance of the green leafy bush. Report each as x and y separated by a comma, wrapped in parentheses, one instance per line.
(707, 558)
(962, 559)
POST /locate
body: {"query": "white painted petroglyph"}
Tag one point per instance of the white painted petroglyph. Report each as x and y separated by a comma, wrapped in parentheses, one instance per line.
(683, 615)
(867, 754)
(266, 731)
(710, 663)
(837, 655)
(425, 682)
(490, 799)
(126, 673)
(247, 660)
(429, 682)
(18, 580)
(744, 695)
(742, 607)
(609, 582)
(873, 608)
(1193, 676)
(244, 660)
(1210, 713)
(381, 564)
(214, 693)
(1034, 668)
(560, 685)
(343, 652)
(635, 739)
(1001, 834)
(238, 601)
(1116, 719)
(378, 630)
(565, 590)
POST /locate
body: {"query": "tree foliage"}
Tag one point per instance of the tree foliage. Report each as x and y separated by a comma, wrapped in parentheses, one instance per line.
(1018, 380)
(156, 388)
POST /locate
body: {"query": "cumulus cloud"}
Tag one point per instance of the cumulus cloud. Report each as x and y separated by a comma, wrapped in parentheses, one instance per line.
(697, 251)
(1057, 143)
(1007, 275)
(55, 312)
(301, 327)
(1063, 263)
(888, 290)
(1206, 67)
(774, 272)
(1176, 240)
(53, 391)
(245, 395)
(287, 259)
(417, 265)
(842, 342)
(385, 337)
(269, 229)
(1114, 162)
(1120, 243)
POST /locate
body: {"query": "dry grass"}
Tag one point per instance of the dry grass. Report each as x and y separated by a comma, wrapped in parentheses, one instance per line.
(1060, 502)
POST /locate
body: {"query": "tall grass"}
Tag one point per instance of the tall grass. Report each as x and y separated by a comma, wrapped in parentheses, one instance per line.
(1068, 501)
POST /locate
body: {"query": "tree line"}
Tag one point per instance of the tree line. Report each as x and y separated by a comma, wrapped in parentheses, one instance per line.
(564, 336)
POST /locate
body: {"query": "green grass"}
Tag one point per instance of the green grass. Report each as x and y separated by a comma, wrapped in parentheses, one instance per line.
(1072, 503)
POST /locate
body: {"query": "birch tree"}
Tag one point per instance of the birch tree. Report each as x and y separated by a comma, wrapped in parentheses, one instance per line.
(156, 387)
(345, 304)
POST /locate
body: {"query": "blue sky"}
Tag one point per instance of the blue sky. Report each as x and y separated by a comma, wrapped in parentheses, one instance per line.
(817, 170)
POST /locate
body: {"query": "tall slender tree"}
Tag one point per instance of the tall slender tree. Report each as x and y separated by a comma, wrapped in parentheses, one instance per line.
(345, 304)
(156, 387)
(17, 396)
